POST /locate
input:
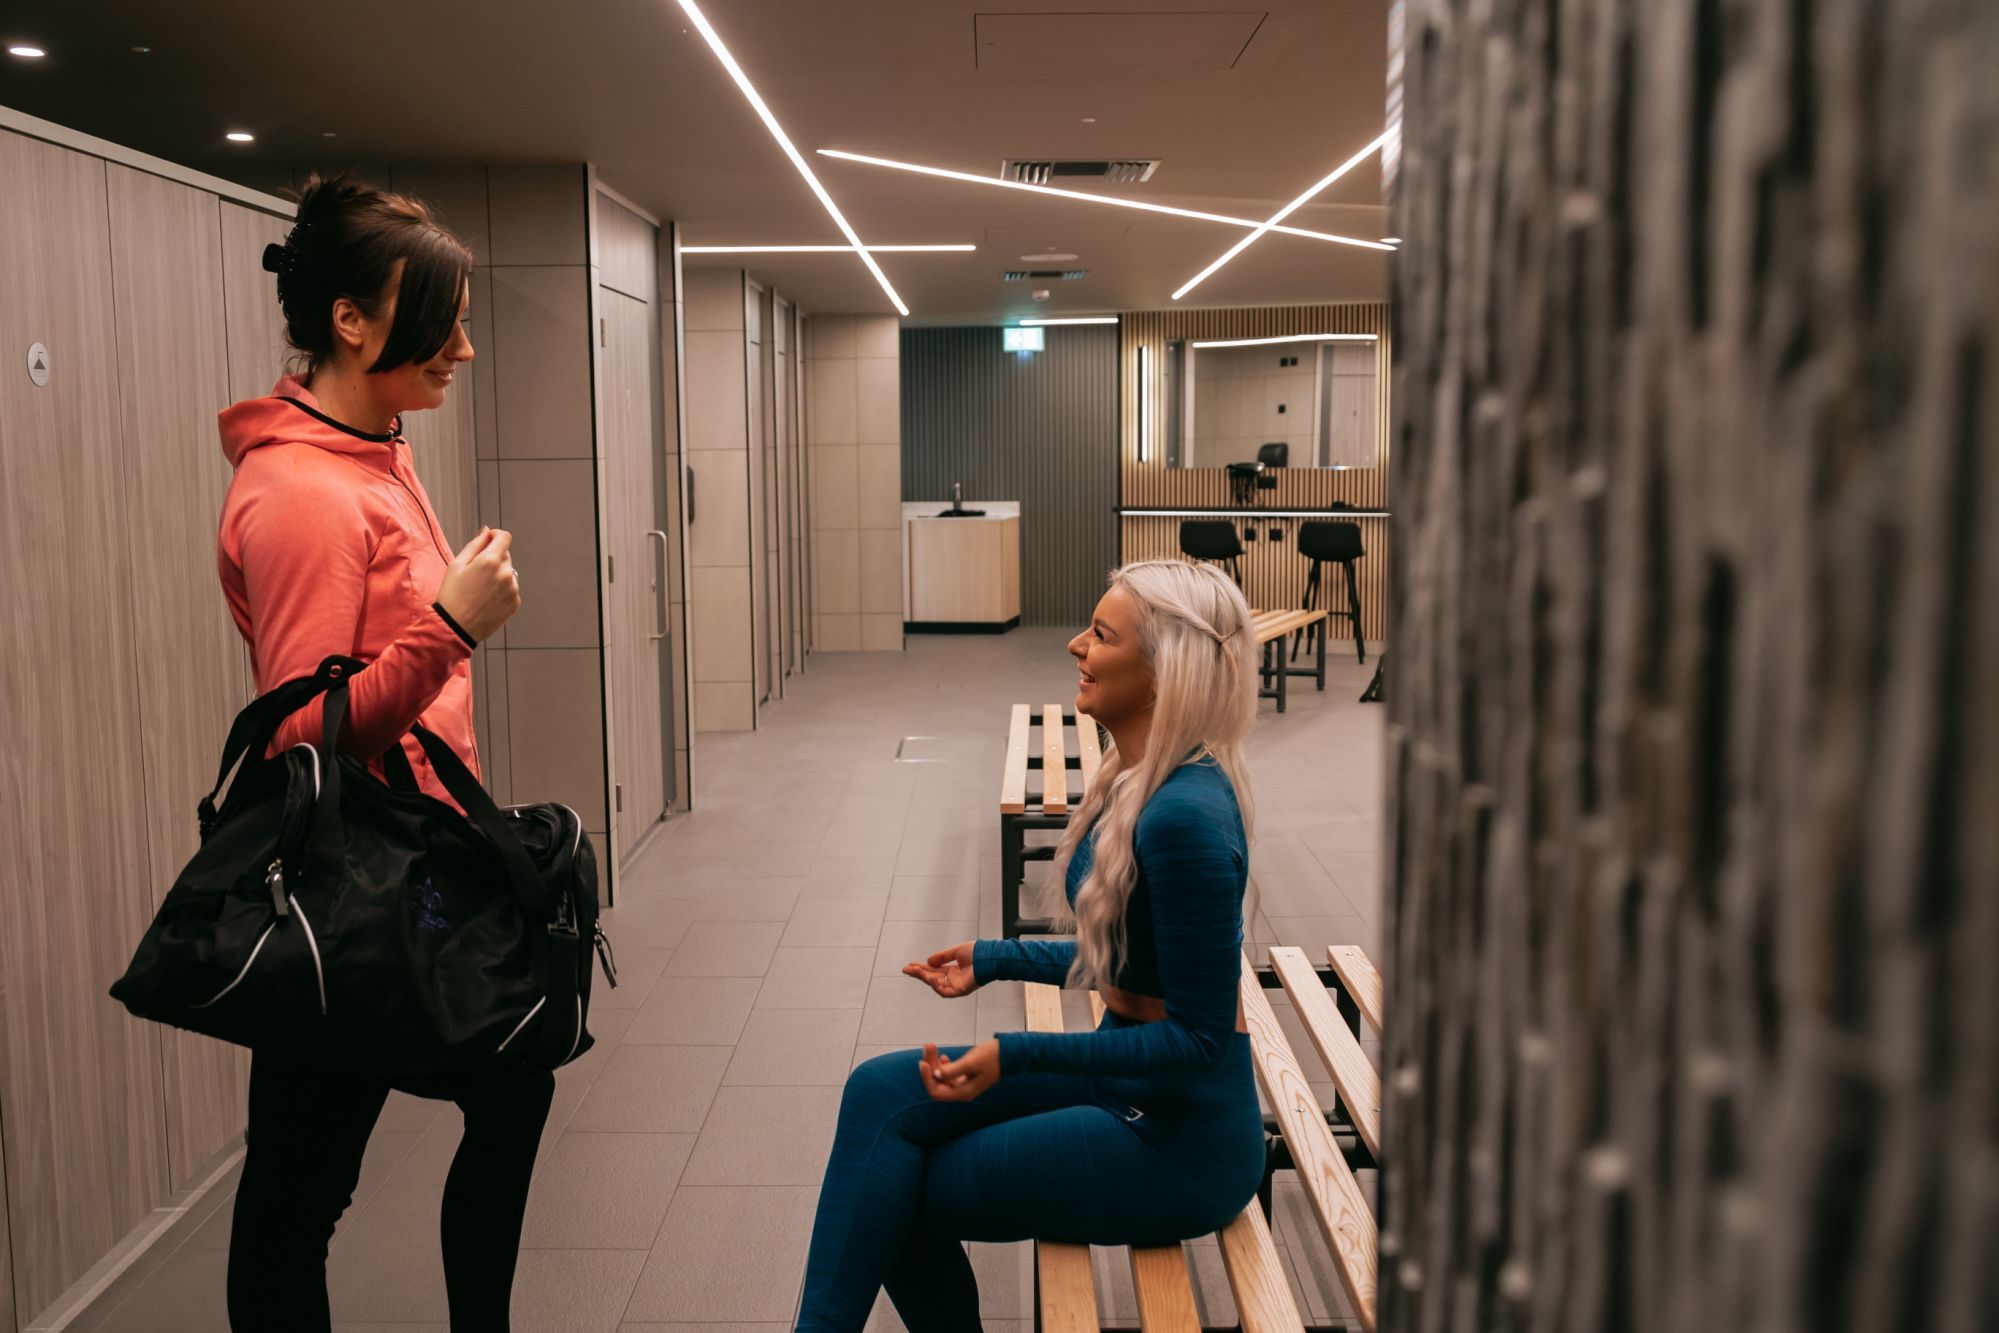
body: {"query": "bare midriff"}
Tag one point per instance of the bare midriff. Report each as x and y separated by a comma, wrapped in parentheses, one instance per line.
(1147, 1008)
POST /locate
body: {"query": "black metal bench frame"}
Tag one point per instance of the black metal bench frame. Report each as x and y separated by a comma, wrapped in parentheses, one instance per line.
(1276, 666)
(1014, 851)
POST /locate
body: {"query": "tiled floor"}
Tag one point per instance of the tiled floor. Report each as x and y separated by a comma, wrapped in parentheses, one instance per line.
(759, 941)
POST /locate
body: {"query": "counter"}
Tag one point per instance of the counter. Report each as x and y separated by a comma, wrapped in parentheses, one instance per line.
(960, 575)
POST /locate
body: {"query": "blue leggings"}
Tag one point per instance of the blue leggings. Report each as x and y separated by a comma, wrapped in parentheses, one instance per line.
(1039, 1156)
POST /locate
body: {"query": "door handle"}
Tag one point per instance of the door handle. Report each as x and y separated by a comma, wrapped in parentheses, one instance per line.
(657, 578)
(690, 492)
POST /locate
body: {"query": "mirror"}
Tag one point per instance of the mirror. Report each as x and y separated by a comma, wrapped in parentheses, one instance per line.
(1288, 402)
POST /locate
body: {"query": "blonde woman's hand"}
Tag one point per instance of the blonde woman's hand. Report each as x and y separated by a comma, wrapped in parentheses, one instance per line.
(948, 971)
(479, 590)
(964, 1078)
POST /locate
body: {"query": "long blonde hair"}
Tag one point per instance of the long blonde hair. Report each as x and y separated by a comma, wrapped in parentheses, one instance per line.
(1194, 629)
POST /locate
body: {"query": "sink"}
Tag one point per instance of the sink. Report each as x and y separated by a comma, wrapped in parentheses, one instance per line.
(961, 513)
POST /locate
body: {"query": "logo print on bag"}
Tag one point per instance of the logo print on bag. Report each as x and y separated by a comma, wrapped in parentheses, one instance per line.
(428, 904)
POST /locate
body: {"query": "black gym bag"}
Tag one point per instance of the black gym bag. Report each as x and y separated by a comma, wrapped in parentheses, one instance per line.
(332, 918)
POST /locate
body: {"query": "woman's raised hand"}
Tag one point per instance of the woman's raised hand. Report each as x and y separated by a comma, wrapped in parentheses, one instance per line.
(479, 590)
(948, 971)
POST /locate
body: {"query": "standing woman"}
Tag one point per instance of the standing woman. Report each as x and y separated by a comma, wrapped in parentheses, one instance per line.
(328, 544)
(1145, 1131)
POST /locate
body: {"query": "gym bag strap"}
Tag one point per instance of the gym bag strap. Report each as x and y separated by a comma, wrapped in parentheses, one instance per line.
(361, 925)
(250, 734)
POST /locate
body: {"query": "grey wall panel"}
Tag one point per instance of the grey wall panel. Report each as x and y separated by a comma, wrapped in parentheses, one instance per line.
(1041, 428)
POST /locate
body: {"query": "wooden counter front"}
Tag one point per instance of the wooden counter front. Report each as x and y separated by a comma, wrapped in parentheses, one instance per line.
(963, 573)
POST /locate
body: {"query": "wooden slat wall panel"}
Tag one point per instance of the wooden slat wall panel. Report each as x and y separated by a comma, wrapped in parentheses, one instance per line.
(1273, 575)
(173, 379)
(79, 1079)
(1039, 428)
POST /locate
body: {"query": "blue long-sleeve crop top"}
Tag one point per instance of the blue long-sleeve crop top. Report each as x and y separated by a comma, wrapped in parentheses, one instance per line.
(1183, 940)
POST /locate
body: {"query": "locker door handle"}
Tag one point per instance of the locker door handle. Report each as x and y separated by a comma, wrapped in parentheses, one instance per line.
(690, 492)
(658, 577)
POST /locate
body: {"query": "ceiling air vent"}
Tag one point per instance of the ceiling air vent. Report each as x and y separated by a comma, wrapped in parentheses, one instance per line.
(1045, 171)
(1059, 274)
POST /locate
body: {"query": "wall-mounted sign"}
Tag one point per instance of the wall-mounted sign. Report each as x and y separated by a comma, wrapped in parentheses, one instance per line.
(38, 365)
(1022, 340)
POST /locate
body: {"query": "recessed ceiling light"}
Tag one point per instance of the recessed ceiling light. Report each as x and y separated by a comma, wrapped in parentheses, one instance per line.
(1091, 319)
(1051, 257)
(1089, 120)
(239, 136)
(817, 249)
(329, 134)
(1391, 240)
(1282, 213)
(1111, 200)
(742, 81)
(142, 50)
(27, 52)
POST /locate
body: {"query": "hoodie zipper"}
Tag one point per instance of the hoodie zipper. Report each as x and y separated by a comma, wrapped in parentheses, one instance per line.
(423, 511)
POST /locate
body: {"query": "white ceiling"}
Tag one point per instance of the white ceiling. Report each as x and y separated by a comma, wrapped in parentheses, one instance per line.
(1245, 107)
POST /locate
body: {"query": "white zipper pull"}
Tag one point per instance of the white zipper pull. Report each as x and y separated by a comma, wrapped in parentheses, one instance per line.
(274, 880)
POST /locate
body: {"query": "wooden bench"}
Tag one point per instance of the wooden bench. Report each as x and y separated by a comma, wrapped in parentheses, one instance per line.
(1038, 740)
(1065, 1292)
(1271, 629)
(1334, 1195)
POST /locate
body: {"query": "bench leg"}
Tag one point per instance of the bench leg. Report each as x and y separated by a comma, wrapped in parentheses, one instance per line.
(1353, 605)
(1013, 871)
(1325, 631)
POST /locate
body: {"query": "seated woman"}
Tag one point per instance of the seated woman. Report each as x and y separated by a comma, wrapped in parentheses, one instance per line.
(1145, 1131)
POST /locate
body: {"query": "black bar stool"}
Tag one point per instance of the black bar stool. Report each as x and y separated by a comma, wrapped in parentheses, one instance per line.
(1212, 539)
(1325, 543)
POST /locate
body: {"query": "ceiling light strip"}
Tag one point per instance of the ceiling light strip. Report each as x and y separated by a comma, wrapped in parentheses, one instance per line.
(1291, 338)
(967, 176)
(749, 92)
(818, 249)
(1044, 323)
(1283, 213)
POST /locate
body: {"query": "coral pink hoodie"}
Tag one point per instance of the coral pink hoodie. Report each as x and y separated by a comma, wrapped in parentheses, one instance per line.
(328, 544)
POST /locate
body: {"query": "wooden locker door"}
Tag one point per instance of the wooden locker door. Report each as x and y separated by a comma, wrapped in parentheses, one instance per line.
(636, 593)
(257, 350)
(173, 371)
(9, 1323)
(79, 1078)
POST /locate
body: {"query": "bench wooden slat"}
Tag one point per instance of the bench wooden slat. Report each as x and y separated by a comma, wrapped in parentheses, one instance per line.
(1090, 747)
(1358, 1082)
(1263, 1299)
(1337, 1203)
(1096, 1008)
(1044, 1007)
(1165, 1296)
(1276, 624)
(1068, 1288)
(1352, 966)
(1054, 763)
(1013, 778)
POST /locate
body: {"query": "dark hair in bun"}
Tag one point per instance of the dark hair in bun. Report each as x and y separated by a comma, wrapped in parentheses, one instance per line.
(346, 242)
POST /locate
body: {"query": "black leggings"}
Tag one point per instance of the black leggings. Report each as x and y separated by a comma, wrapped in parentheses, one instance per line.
(308, 1128)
